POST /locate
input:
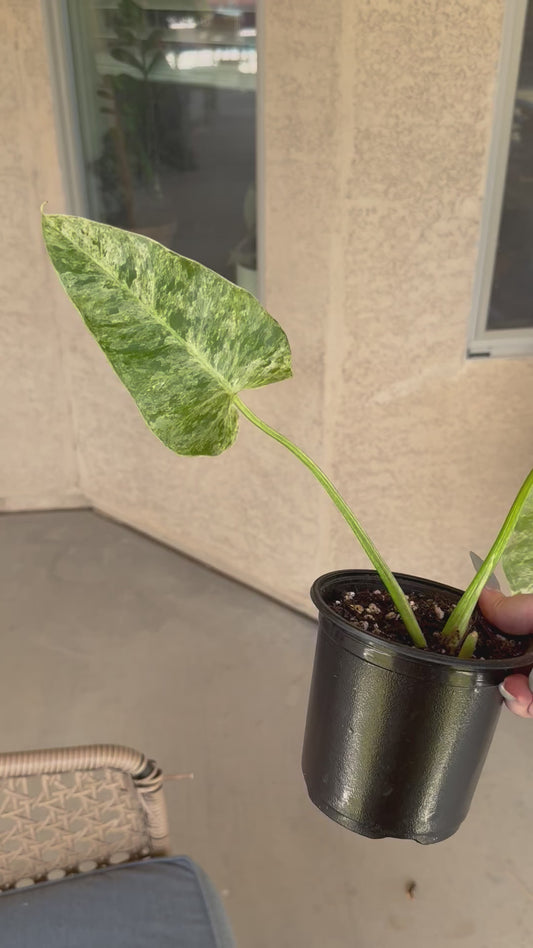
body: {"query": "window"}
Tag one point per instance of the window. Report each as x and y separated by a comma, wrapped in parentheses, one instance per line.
(159, 126)
(502, 322)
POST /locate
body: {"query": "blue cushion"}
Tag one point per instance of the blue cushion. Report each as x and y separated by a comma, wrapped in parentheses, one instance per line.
(164, 903)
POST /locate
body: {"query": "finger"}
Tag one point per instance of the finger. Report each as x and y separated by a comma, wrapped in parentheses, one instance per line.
(518, 697)
(511, 614)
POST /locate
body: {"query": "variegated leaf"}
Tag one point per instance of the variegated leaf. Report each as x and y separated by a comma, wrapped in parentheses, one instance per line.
(183, 340)
(517, 558)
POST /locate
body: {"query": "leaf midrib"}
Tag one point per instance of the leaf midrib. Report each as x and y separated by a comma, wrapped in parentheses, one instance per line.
(195, 353)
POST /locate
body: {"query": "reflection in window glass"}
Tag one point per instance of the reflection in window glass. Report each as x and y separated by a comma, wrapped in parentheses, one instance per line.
(511, 304)
(166, 96)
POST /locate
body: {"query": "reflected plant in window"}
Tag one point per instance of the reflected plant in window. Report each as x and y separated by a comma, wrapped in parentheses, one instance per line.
(135, 142)
(165, 96)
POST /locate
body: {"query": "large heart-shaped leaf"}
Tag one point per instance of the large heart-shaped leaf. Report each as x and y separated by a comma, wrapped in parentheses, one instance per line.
(517, 558)
(183, 339)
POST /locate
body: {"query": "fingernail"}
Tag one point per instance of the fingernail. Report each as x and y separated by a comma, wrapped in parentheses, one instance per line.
(531, 680)
(506, 694)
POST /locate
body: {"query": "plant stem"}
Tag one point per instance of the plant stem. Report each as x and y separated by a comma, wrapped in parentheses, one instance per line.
(389, 580)
(457, 623)
(469, 646)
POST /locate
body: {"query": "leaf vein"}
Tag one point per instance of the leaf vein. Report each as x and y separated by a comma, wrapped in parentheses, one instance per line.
(192, 350)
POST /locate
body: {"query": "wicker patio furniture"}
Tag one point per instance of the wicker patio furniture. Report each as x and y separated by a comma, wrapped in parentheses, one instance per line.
(83, 838)
(77, 808)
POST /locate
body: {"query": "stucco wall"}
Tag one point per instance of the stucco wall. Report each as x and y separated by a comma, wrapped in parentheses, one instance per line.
(37, 453)
(430, 447)
(377, 119)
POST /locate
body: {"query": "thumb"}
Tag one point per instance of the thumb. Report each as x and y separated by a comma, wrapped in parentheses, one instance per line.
(511, 614)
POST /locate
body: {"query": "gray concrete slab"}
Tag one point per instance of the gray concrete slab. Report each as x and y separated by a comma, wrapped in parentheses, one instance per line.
(108, 636)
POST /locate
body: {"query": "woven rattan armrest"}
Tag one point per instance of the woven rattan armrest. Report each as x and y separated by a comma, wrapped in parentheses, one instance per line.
(65, 809)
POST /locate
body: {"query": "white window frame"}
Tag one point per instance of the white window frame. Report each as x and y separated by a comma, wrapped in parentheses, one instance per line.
(502, 342)
(67, 123)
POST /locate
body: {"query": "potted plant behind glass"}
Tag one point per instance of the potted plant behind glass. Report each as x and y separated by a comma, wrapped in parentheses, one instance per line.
(130, 152)
(401, 711)
(143, 139)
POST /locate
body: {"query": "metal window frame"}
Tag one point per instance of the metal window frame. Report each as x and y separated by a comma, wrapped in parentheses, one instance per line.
(481, 341)
(67, 122)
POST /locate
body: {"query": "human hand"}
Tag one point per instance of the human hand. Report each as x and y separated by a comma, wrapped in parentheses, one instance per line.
(514, 615)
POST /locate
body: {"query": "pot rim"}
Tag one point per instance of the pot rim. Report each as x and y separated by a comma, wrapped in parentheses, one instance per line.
(409, 652)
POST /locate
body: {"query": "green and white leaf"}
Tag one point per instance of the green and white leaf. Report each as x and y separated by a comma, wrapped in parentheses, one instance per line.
(514, 546)
(183, 340)
(517, 559)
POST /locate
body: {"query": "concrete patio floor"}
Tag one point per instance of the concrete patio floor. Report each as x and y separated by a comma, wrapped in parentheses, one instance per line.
(108, 636)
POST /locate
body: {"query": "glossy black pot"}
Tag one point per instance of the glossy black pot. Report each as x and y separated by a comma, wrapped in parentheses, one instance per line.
(395, 737)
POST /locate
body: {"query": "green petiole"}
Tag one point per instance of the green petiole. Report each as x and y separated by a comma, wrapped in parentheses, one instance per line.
(388, 579)
(454, 632)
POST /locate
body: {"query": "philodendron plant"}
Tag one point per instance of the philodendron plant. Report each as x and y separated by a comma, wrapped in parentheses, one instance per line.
(186, 342)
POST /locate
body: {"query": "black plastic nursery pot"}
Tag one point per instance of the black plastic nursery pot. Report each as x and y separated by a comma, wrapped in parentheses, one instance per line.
(396, 736)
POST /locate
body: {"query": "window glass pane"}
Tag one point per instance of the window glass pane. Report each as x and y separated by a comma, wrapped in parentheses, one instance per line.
(166, 97)
(511, 303)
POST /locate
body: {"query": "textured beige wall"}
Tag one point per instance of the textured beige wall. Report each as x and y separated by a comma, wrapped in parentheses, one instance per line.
(37, 454)
(378, 118)
(431, 448)
(377, 122)
(445, 442)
